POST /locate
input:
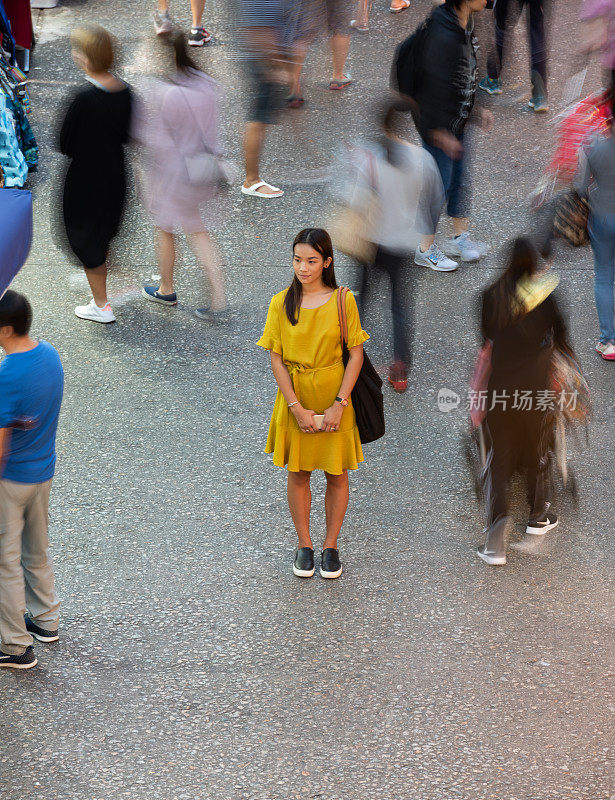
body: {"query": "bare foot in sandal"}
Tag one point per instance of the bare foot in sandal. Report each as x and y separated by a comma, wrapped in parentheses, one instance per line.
(261, 188)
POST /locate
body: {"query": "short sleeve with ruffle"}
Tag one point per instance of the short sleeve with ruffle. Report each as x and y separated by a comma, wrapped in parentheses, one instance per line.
(356, 334)
(272, 337)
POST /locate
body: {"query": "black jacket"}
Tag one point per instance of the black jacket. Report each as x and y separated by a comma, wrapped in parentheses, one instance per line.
(522, 351)
(448, 76)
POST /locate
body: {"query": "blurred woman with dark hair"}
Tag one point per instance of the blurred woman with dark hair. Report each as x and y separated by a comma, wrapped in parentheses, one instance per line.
(178, 125)
(313, 425)
(521, 318)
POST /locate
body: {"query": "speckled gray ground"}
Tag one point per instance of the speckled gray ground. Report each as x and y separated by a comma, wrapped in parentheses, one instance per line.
(192, 664)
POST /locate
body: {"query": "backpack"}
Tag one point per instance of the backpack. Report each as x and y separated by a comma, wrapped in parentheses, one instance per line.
(406, 69)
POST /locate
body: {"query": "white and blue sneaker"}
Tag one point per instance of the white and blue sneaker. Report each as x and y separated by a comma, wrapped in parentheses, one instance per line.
(435, 259)
(463, 247)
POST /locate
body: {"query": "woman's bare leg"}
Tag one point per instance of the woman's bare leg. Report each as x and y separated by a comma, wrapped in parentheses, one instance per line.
(97, 278)
(300, 503)
(165, 245)
(336, 503)
(209, 256)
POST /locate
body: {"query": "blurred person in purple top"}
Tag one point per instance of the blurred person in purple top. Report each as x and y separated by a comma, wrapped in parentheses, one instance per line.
(31, 388)
(178, 121)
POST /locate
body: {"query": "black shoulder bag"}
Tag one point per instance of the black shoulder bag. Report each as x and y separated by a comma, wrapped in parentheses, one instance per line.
(367, 399)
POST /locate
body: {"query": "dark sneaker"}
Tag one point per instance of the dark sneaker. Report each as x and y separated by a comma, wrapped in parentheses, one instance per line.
(330, 564)
(493, 552)
(26, 660)
(539, 104)
(542, 526)
(42, 634)
(303, 566)
(491, 85)
(398, 376)
(152, 293)
(221, 317)
(198, 37)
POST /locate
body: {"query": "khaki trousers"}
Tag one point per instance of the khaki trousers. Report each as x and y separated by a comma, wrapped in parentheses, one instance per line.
(26, 572)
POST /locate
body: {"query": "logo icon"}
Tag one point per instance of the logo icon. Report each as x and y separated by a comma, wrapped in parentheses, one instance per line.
(448, 400)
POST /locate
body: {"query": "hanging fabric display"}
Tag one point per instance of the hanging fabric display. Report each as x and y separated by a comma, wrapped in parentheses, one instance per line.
(12, 159)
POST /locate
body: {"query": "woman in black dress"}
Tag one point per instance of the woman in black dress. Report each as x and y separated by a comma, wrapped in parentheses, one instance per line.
(522, 320)
(93, 135)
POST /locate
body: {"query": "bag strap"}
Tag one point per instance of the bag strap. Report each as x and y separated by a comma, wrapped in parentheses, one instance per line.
(341, 315)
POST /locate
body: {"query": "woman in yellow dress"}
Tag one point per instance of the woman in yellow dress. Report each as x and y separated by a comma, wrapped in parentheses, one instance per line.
(313, 423)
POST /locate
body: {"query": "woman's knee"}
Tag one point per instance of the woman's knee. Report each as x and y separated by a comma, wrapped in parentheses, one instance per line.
(300, 478)
(337, 480)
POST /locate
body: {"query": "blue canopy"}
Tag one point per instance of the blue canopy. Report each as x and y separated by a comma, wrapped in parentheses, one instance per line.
(15, 233)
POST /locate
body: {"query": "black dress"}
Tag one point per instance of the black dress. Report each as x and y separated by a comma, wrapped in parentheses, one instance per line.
(93, 135)
(520, 436)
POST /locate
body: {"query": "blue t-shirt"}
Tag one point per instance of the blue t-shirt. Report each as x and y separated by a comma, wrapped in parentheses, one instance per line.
(31, 387)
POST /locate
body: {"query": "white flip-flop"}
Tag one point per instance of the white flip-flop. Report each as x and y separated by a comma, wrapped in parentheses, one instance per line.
(252, 191)
(401, 8)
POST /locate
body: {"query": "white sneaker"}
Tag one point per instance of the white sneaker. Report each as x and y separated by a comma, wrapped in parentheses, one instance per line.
(94, 313)
(435, 259)
(465, 248)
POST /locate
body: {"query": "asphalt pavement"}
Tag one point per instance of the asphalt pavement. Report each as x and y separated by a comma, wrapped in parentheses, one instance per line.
(192, 665)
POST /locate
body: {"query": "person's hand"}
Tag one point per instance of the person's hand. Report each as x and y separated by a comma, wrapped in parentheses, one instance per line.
(447, 142)
(486, 119)
(333, 417)
(305, 419)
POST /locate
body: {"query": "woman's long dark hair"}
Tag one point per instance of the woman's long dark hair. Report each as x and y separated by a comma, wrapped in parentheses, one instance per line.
(522, 260)
(319, 239)
(183, 62)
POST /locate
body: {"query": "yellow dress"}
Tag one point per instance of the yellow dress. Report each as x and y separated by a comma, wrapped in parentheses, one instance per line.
(312, 352)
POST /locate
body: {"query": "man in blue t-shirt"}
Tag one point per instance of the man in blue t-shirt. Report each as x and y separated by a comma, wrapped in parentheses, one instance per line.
(31, 387)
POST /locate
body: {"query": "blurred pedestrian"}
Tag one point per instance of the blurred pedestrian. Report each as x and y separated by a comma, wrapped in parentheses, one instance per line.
(180, 130)
(93, 135)
(409, 195)
(506, 14)
(440, 76)
(521, 318)
(361, 21)
(31, 387)
(313, 424)
(597, 170)
(262, 30)
(164, 24)
(334, 16)
(598, 18)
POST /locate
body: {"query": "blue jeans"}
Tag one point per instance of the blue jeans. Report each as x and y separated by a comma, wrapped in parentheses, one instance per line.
(454, 174)
(602, 238)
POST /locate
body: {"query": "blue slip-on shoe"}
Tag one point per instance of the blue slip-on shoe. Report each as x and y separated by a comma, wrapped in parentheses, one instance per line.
(152, 293)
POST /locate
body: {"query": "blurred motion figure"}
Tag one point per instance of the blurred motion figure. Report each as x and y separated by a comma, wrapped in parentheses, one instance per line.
(521, 318)
(93, 135)
(178, 126)
(506, 14)
(409, 195)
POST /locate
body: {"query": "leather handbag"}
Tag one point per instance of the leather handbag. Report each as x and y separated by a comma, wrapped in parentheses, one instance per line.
(367, 399)
(351, 228)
